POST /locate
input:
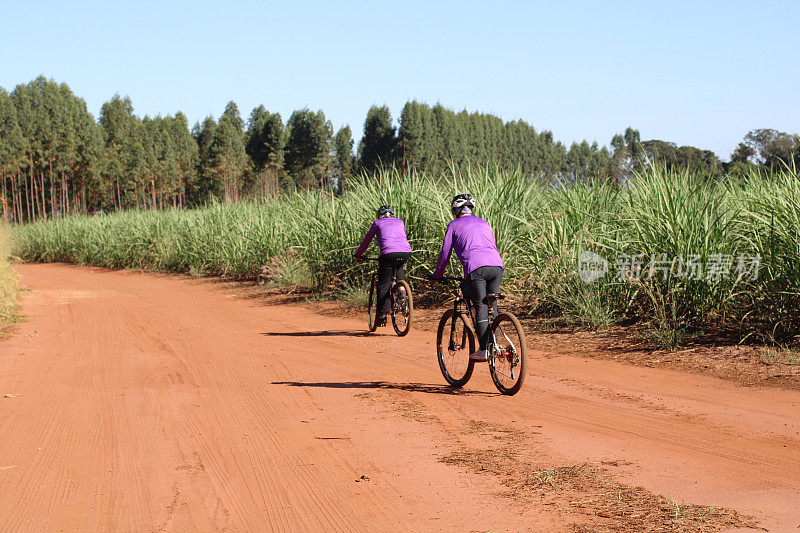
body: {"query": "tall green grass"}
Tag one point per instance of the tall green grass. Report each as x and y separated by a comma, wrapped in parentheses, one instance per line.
(541, 230)
(9, 287)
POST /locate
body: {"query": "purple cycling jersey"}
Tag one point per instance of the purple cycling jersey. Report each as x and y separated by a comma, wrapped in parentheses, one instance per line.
(391, 233)
(473, 240)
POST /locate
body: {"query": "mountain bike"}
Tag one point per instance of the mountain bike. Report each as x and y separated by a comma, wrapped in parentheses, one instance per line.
(455, 341)
(401, 302)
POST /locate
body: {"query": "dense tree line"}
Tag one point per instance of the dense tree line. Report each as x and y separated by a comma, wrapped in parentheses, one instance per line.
(56, 159)
(436, 139)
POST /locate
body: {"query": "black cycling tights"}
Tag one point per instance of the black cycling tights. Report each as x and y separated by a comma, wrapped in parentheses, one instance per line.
(386, 264)
(479, 283)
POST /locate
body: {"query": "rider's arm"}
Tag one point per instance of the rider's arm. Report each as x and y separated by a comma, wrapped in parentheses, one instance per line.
(367, 239)
(444, 255)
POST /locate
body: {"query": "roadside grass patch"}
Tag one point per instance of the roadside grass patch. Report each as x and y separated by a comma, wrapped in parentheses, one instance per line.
(781, 355)
(354, 296)
(287, 269)
(9, 283)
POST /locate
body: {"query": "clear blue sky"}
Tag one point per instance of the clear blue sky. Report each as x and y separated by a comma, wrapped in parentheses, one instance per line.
(699, 73)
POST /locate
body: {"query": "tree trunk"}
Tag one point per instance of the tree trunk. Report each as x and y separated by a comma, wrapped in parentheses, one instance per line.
(65, 193)
(119, 196)
(17, 198)
(44, 198)
(14, 197)
(28, 189)
(34, 192)
(83, 194)
(52, 191)
(27, 202)
(20, 207)
(5, 198)
(18, 202)
(37, 208)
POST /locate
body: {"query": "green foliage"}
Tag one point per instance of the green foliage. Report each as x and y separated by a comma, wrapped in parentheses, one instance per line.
(541, 232)
(204, 189)
(438, 140)
(377, 147)
(265, 139)
(586, 163)
(227, 158)
(685, 157)
(58, 139)
(344, 161)
(12, 141)
(9, 285)
(771, 148)
(308, 148)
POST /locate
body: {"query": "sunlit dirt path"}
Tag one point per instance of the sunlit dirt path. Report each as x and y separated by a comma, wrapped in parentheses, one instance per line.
(137, 402)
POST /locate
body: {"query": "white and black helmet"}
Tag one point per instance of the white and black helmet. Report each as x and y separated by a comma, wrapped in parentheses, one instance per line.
(462, 200)
(385, 211)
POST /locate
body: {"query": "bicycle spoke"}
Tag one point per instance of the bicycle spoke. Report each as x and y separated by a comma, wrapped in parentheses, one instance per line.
(508, 354)
(455, 342)
(402, 307)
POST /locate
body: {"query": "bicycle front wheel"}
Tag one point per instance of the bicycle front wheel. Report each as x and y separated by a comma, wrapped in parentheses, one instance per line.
(372, 304)
(402, 307)
(454, 342)
(507, 355)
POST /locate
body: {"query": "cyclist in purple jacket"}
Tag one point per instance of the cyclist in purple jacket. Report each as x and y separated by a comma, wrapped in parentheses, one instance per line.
(473, 240)
(394, 252)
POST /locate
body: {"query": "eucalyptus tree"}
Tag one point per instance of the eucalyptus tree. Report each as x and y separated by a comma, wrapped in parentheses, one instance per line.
(186, 157)
(264, 144)
(344, 161)
(308, 148)
(228, 159)
(12, 153)
(204, 187)
(60, 145)
(125, 155)
(377, 146)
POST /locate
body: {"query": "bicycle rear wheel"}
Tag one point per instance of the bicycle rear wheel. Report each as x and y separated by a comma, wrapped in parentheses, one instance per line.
(454, 342)
(372, 303)
(402, 307)
(507, 355)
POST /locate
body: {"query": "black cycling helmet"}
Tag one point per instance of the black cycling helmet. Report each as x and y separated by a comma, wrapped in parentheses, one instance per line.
(462, 200)
(385, 211)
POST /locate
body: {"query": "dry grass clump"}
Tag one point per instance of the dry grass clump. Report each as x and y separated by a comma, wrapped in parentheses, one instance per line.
(590, 493)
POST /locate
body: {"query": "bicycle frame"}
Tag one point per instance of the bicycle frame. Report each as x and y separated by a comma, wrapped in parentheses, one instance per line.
(461, 306)
(457, 303)
(470, 310)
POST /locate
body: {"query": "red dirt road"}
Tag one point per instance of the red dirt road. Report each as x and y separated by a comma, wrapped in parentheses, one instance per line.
(138, 402)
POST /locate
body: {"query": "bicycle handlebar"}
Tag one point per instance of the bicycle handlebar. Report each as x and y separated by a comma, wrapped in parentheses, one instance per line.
(368, 258)
(443, 278)
(447, 278)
